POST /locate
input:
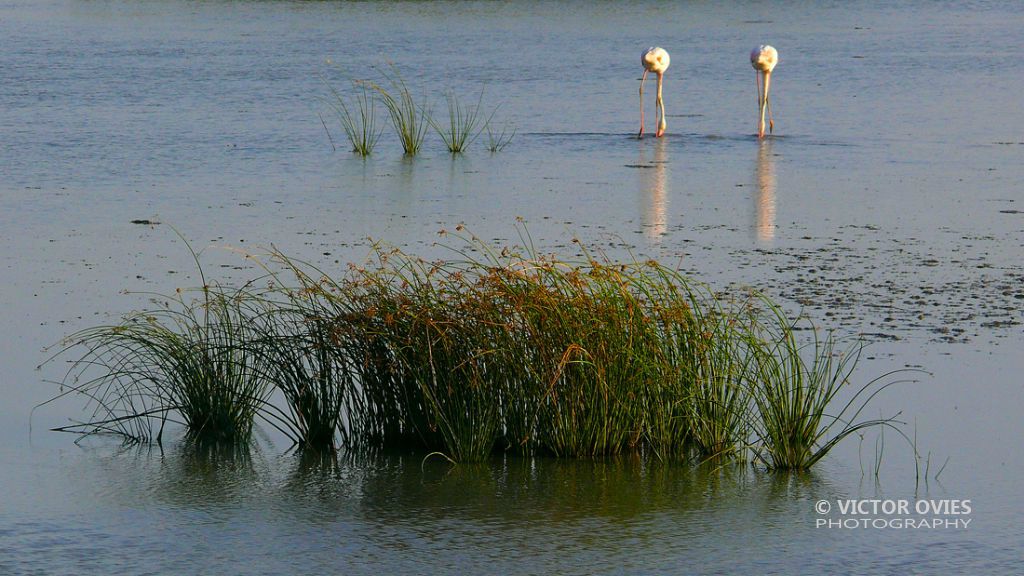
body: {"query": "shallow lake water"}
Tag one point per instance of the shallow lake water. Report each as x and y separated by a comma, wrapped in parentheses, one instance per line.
(889, 203)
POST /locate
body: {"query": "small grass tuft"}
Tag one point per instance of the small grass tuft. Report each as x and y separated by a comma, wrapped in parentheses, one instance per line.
(410, 118)
(793, 396)
(498, 140)
(463, 122)
(358, 116)
(189, 361)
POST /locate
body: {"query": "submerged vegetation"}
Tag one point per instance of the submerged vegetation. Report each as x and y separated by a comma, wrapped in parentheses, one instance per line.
(504, 350)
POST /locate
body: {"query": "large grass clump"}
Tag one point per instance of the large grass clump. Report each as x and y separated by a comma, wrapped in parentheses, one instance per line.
(489, 351)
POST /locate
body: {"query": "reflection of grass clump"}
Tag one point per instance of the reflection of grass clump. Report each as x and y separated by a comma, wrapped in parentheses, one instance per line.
(504, 351)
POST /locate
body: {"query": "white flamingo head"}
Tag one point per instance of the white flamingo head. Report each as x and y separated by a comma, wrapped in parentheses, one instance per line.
(764, 58)
(655, 60)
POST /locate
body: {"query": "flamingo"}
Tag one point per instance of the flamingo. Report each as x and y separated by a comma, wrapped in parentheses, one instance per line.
(763, 59)
(654, 60)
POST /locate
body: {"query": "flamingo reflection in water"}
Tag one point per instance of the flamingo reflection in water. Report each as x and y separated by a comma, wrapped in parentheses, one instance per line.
(654, 191)
(764, 174)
